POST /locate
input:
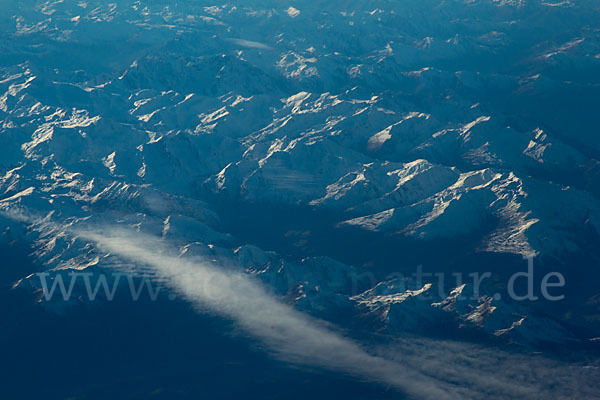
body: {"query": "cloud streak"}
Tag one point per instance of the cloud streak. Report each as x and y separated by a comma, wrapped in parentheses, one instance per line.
(294, 336)
(418, 367)
(250, 44)
(421, 368)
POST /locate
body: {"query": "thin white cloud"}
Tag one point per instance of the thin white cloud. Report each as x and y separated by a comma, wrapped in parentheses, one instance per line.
(422, 368)
(250, 44)
(293, 335)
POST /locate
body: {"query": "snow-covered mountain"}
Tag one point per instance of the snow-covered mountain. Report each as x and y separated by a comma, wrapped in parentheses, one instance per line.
(317, 147)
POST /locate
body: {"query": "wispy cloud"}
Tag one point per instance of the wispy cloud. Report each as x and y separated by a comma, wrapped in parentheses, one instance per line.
(293, 335)
(421, 368)
(250, 44)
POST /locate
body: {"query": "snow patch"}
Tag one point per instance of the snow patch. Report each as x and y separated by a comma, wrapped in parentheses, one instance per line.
(292, 12)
